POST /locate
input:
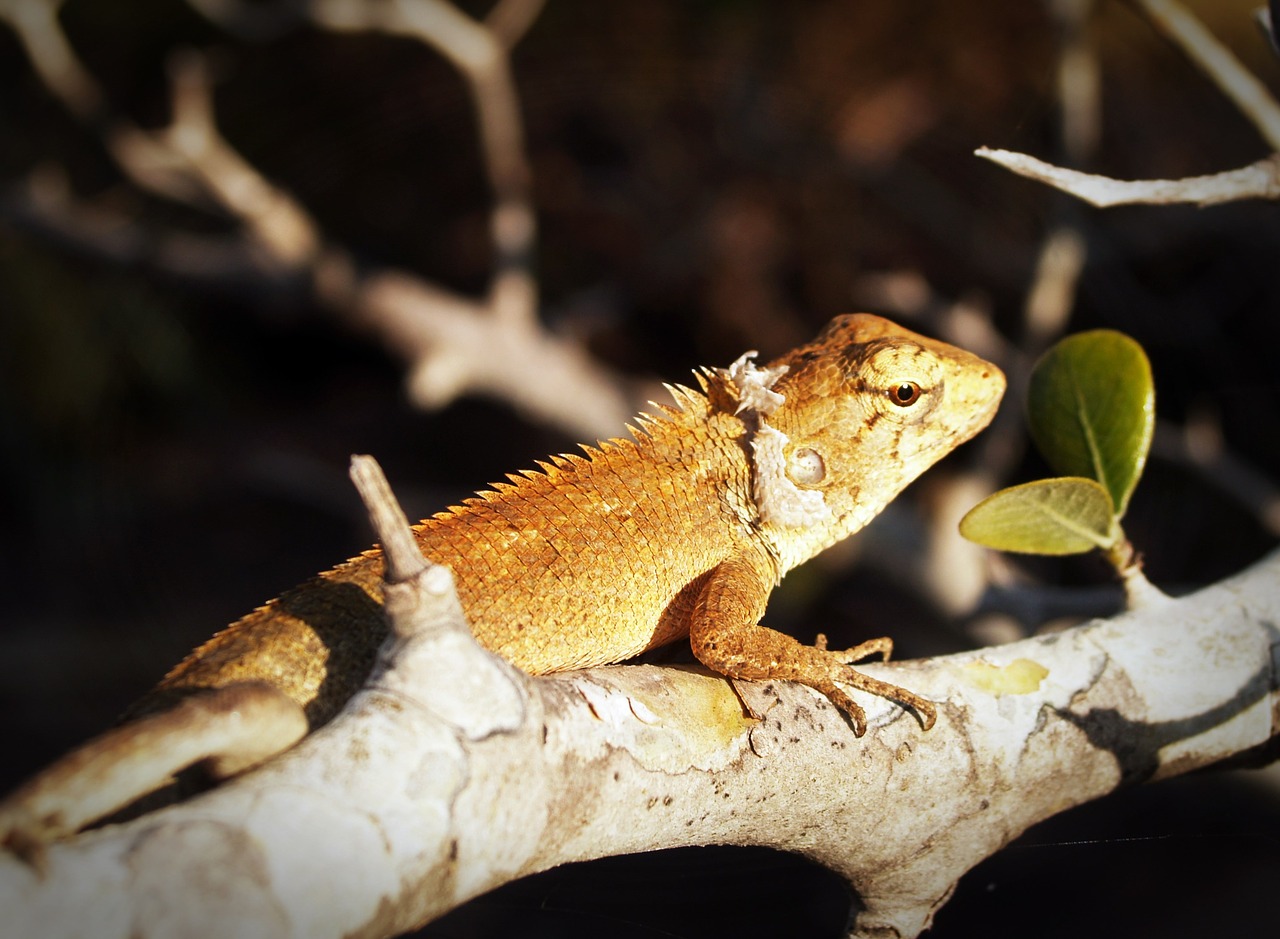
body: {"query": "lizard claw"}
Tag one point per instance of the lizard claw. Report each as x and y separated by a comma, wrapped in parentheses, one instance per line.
(841, 671)
(925, 711)
(857, 716)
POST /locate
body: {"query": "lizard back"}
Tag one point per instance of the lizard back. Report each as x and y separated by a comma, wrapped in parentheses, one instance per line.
(590, 560)
(587, 560)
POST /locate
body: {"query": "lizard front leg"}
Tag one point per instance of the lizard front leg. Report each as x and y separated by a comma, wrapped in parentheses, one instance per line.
(726, 635)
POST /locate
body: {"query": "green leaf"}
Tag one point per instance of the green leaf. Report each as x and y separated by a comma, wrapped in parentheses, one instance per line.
(1070, 515)
(1091, 409)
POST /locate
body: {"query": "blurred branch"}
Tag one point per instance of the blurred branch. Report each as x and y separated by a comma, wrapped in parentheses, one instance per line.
(1064, 250)
(1052, 294)
(44, 204)
(1217, 61)
(481, 58)
(1199, 446)
(193, 151)
(1079, 79)
(36, 24)
(454, 345)
(509, 20)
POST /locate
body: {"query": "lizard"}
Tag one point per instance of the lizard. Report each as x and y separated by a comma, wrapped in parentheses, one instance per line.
(681, 529)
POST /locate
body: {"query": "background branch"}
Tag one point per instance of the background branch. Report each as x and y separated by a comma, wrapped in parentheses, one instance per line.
(1256, 181)
(454, 345)
(1213, 58)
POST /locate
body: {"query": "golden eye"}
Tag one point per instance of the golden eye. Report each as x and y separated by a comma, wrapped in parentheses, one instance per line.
(905, 394)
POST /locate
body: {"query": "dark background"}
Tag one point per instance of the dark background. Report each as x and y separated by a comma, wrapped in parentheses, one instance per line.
(709, 177)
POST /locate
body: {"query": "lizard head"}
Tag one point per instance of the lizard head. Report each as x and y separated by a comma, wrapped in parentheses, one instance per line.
(838, 427)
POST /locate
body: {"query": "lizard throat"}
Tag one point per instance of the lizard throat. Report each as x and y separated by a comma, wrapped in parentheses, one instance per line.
(782, 508)
(778, 499)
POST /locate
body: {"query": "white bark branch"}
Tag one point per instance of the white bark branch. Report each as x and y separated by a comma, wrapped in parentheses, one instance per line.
(1259, 180)
(452, 773)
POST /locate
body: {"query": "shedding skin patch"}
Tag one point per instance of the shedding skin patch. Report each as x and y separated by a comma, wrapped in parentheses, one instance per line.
(755, 384)
(780, 501)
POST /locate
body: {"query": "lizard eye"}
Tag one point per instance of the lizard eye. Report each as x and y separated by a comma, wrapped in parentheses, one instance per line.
(905, 394)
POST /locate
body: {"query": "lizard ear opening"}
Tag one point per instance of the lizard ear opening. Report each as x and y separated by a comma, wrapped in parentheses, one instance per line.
(805, 467)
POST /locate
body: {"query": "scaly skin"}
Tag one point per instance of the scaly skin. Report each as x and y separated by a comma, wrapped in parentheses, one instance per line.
(589, 560)
(593, 559)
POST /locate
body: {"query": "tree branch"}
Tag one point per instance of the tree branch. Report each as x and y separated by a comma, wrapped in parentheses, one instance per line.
(1259, 180)
(452, 773)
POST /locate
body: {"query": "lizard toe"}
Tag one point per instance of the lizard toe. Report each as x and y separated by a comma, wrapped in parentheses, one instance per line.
(857, 716)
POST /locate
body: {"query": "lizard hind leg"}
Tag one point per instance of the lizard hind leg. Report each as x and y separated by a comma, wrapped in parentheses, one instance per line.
(227, 729)
(726, 636)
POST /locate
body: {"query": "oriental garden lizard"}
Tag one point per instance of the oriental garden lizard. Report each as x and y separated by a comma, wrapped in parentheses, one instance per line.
(683, 529)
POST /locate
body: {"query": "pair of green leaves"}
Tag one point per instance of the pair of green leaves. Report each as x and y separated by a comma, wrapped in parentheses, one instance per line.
(1091, 411)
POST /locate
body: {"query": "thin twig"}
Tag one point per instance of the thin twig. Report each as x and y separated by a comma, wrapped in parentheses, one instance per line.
(403, 556)
(1259, 180)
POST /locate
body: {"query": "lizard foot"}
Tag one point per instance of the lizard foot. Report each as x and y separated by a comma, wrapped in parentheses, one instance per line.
(762, 654)
(726, 635)
(841, 672)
